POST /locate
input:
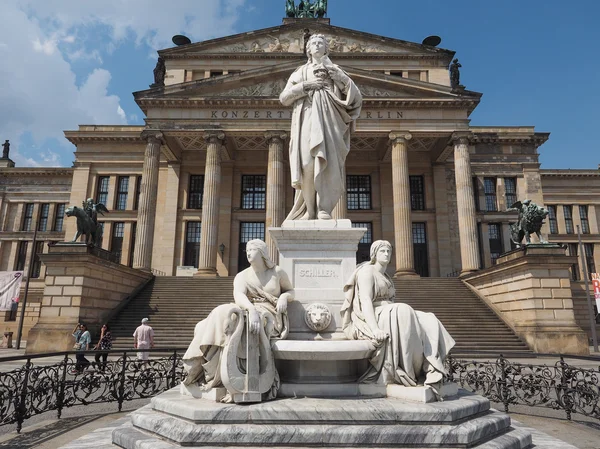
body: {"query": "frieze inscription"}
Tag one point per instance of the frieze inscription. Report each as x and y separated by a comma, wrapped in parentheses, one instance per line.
(286, 114)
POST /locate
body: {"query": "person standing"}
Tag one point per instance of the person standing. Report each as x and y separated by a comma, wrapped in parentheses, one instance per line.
(82, 343)
(104, 344)
(143, 338)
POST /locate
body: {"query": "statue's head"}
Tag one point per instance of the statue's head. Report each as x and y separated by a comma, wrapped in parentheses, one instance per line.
(455, 60)
(260, 247)
(317, 44)
(377, 254)
(70, 211)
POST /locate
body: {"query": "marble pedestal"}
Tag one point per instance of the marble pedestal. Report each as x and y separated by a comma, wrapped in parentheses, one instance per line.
(173, 421)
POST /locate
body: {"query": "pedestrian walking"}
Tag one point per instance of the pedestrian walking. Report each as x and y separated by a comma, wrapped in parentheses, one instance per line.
(143, 338)
(104, 344)
(82, 343)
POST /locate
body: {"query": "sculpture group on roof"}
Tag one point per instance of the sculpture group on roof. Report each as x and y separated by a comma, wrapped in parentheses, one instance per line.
(306, 9)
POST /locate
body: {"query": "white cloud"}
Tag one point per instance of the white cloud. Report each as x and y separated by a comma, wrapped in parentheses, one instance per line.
(41, 94)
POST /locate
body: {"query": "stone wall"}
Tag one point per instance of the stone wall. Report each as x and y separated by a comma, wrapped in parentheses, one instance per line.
(81, 287)
(580, 307)
(530, 289)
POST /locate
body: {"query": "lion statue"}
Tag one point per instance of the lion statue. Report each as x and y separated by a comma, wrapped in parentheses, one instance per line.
(531, 220)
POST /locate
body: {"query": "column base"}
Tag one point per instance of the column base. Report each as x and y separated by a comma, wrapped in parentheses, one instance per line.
(464, 273)
(206, 272)
(406, 273)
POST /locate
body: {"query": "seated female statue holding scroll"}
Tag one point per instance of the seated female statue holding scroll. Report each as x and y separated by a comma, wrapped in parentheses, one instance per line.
(233, 332)
(410, 345)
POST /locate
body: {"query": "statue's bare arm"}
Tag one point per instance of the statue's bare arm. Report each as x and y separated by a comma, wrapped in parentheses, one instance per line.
(287, 290)
(240, 298)
(366, 287)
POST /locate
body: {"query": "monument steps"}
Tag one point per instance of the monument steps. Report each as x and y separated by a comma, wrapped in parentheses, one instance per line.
(175, 304)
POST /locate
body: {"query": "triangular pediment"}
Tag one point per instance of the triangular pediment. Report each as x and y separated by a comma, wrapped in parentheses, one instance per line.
(269, 82)
(288, 38)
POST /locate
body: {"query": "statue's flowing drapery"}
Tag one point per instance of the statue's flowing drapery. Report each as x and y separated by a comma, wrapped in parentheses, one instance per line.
(203, 358)
(417, 344)
(321, 126)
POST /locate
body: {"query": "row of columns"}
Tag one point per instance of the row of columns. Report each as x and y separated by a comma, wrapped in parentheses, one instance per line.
(275, 212)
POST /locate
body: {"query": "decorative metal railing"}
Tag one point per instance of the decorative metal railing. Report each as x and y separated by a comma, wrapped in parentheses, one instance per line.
(38, 387)
(561, 387)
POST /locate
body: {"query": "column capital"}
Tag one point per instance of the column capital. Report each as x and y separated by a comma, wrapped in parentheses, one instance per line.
(275, 136)
(153, 136)
(216, 136)
(400, 136)
(461, 138)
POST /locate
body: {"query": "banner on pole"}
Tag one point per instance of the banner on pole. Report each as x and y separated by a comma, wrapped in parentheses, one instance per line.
(596, 288)
(10, 286)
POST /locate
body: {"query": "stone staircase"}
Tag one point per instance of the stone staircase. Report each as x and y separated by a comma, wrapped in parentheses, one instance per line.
(175, 304)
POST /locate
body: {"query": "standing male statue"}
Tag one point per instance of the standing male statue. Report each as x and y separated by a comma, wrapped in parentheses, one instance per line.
(5, 149)
(326, 104)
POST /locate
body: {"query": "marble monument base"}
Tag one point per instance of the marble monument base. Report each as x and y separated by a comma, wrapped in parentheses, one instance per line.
(464, 421)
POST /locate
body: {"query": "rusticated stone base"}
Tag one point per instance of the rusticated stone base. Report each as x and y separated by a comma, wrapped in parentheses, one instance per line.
(571, 340)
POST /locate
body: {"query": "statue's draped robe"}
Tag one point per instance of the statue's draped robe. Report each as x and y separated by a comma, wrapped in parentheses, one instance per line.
(417, 344)
(202, 360)
(321, 126)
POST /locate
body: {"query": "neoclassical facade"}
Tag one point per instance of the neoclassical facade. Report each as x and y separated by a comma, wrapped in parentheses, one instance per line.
(209, 170)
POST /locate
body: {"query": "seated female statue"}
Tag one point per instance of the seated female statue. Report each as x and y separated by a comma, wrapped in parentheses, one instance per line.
(262, 291)
(410, 345)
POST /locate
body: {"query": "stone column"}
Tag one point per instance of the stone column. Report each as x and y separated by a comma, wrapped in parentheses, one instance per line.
(142, 256)
(207, 265)
(465, 203)
(275, 213)
(402, 205)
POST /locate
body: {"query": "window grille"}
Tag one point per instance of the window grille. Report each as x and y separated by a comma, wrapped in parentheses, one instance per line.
(417, 192)
(358, 192)
(192, 243)
(44, 212)
(510, 191)
(585, 222)
(28, 217)
(196, 192)
(491, 201)
(116, 241)
(552, 220)
(102, 191)
(122, 191)
(254, 192)
(59, 218)
(568, 212)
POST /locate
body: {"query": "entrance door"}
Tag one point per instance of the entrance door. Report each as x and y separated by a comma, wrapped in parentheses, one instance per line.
(421, 259)
(248, 231)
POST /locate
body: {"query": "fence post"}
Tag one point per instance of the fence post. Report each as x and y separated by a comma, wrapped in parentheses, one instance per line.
(564, 395)
(173, 368)
(20, 407)
(504, 391)
(121, 395)
(60, 400)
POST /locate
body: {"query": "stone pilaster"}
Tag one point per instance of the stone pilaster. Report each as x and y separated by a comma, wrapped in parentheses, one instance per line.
(465, 203)
(144, 239)
(275, 213)
(207, 265)
(402, 206)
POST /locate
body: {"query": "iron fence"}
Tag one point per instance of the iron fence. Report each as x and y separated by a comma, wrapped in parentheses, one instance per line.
(561, 387)
(36, 388)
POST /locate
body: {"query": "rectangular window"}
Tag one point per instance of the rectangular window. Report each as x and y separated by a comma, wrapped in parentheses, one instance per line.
(510, 191)
(552, 220)
(358, 189)
(44, 212)
(495, 237)
(417, 192)
(101, 224)
(28, 217)
(116, 240)
(420, 257)
(248, 231)
(59, 218)
(132, 244)
(476, 194)
(491, 202)
(568, 211)
(588, 249)
(585, 222)
(21, 256)
(254, 191)
(36, 270)
(364, 245)
(102, 190)
(572, 251)
(192, 244)
(138, 189)
(122, 190)
(196, 192)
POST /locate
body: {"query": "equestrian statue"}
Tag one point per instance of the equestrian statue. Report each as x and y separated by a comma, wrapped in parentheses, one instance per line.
(530, 221)
(87, 221)
(306, 9)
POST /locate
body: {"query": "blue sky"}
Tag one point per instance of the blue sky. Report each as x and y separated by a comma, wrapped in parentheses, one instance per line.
(70, 62)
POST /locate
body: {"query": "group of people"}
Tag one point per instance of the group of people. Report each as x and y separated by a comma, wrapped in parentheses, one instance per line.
(143, 339)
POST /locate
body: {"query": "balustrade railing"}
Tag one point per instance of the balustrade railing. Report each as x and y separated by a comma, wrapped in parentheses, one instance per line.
(40, 386)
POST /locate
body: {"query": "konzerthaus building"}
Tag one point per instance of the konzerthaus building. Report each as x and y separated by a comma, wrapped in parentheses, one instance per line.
(209, 170)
